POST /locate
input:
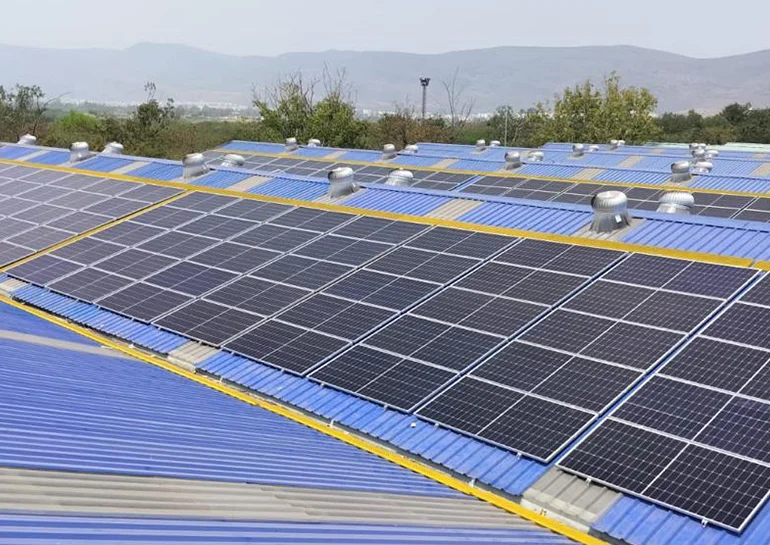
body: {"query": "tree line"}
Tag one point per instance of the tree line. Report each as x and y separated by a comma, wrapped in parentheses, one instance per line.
(325, 109)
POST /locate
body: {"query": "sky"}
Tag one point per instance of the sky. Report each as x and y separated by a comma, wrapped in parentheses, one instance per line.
(270, 27)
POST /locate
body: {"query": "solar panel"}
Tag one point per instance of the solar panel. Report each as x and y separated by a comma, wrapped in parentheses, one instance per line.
(703, 416)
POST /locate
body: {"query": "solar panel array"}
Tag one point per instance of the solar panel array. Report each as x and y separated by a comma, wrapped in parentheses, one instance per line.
(639, 198)
(695, 436)
(368, 174)
(41, 208)
(520, 343)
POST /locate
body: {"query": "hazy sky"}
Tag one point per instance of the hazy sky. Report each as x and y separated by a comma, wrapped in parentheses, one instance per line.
(705, 28)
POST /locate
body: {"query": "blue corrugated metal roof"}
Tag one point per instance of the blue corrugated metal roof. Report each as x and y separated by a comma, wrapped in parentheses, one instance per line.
(638, 522)
(289, 188)
(101, 320)
(28, 529)
(526, 216)
(753, 185)
(485, 463)
(105, 164)
(360, 155)
(414, 160)
(15, 152)
(475, 164)
(259, 147)
(712, 235)
(158, 171)
(220, 179)
(19, 321)
(313, 152)
(118, 416)
(52, 158)
(394, 200)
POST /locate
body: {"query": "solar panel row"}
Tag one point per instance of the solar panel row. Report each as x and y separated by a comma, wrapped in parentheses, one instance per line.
(706, 204)
(41, 208)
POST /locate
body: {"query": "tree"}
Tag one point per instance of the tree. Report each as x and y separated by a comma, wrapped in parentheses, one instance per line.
(518, 128)
(21, 110)
(289, 109)
(404, 127)
(75, 127)
(143, 131)
(736, 113)
(460, 109)
(586, 113)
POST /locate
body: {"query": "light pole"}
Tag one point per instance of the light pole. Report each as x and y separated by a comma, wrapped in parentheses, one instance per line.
(424, 82)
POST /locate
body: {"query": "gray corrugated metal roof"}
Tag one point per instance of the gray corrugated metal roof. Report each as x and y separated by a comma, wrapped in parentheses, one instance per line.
(127, 495)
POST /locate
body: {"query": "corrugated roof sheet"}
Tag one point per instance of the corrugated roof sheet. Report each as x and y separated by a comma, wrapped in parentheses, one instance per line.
(476, 460)
(525, 216)
(220, 179)
(289, 188)
(15, 152)
(112, 415)
(158, 171)
(105, 164)
(27, 529)
(395, 200)
(259, 147)
(53, 158)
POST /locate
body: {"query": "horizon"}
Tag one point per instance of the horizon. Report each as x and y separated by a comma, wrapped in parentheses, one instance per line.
(430, 26)
(396, 51)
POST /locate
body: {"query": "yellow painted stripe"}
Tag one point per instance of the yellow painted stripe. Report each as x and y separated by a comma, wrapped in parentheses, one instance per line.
(565, 239)
(351, 439)
(763, 265)
(93, 231)
(506, 174)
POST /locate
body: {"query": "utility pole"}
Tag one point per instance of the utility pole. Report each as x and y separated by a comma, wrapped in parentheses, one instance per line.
(424, 82)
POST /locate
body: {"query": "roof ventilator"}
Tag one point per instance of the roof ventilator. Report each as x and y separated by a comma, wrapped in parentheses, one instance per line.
(676, 202)
(593, 147)
(702, 167)
(28, 140)
(610, 211)
(194, 165)
(388, 152)
(313, 143)
(512, 160)
(711, 154)
(233, 160)
(621, 143)
(481, 145)
(400, 178)
(411, 148)
(341, 182)
(291, 145)
(680, 171)
(699, 154)
(79, 152)
(113, 148)
(535, 156)
(614, 144)
(578, 150)
(494, 144)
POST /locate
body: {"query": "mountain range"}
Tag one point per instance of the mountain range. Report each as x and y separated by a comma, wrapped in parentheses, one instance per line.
(519, 76)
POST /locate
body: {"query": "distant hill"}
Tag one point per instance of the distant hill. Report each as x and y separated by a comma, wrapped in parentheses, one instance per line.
(519, 76)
